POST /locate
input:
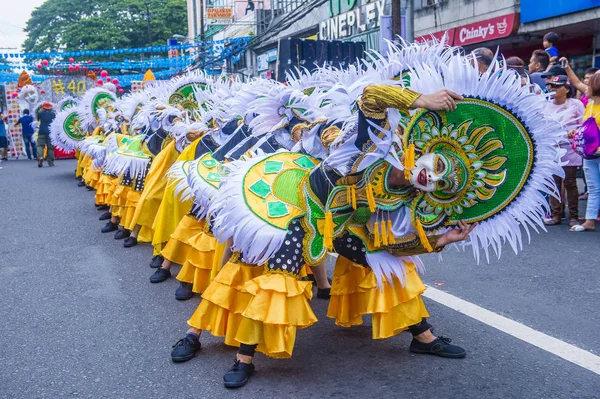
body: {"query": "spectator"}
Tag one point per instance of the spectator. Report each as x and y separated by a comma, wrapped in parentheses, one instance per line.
(517, 65)
(46, 116)
(549, 43)
(586, 81)
(591, 167)
(26, 123)
(538, 63)
(569, 111)
(484, 57)
(3, 138)
(553, 71)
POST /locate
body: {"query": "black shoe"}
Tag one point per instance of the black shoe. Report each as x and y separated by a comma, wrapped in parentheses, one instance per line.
(130, 242)
(80, 184)
(105, 216)
(184, 292)
(110, 226)
(119, 235)
(185, 349)
(156, 261)
(323, 293)
(160, 275)
(90, 188)
(238, 375)
(441, 346)
(102, 207)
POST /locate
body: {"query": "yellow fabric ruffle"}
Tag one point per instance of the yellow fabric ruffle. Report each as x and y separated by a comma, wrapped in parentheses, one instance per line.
(154, 188)
(279, 306)
(130, 205)
(203, 261)
(394, 307)
(224, 300)
(79, 167)
(177, 248)
(103, 190)
(119, 200)
(171, 209)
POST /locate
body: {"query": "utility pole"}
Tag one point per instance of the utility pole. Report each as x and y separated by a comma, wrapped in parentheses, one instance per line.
(410, 20)
(396, 20)
(202, 20)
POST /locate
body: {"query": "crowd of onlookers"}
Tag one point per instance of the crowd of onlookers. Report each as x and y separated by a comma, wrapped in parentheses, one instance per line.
(575, 103)
(39, 148)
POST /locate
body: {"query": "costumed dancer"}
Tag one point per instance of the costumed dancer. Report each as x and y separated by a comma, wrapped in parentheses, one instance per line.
(286, 210)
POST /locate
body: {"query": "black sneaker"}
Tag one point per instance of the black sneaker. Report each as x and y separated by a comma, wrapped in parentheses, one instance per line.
(184, 292)
(160, 275)
(441, 346)
(130, 242)
(80, 184)
(103, 207)
(238, 375)
(123, 233)
(105, 216)
(90, 188)
(323, 293)
(156, 261)
(185, 349)
(110, 226)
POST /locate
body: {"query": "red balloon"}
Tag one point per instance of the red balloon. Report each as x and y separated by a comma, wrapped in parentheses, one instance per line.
(45, 62)
(89, 61)
(104, 74)
(71, 60)
(84, 68)
(71, 68)
(100, 81)
(121, 91)
(115, 81)
(108, 79)
(118, 86)
(77, 67)
(15, 94)
(39, 66)
(43, 92)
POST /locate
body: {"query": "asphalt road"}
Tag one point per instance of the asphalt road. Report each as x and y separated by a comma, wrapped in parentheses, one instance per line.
(79, 317)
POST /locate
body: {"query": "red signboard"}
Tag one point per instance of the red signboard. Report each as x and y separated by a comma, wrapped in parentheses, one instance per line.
(437, 36)
(482, 31)
(489, 29)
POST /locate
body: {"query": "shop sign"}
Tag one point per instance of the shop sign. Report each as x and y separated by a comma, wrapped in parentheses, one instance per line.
(447, 35)
(352, 22)
(477, 32)
(533, 10)
(219, 15)
(489, 29)
(262, 60)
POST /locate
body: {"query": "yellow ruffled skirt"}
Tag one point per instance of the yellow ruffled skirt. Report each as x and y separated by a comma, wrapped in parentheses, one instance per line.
(104, 189)
(394, 307)
(177, 248)
(224, 301)
(79, 167)
(203, 261)
(119, 200)
(278, 307)
(154, 189)
(131, 202)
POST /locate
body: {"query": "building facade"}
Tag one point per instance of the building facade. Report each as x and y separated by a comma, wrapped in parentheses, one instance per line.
(514, 27)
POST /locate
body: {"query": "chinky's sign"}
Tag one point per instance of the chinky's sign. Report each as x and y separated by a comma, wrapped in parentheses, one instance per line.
(349, 19)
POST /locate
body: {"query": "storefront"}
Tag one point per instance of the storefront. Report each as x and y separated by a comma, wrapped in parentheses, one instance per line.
(356, 21)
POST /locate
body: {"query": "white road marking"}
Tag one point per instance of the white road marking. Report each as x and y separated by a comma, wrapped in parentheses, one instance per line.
(543, 341)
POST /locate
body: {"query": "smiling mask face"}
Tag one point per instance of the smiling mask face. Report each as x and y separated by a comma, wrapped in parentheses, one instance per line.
(437, 171)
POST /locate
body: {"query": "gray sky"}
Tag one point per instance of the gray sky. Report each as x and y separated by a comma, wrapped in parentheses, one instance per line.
(13, 18)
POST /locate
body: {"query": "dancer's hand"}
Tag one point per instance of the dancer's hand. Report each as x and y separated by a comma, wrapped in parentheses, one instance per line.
(442, 100)
(460, 233)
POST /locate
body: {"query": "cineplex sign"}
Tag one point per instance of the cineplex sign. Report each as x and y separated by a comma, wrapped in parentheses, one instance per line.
(482, 31)
(357, 20)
